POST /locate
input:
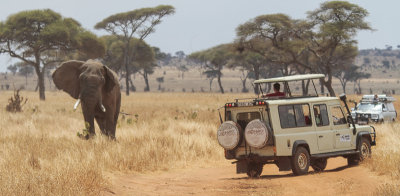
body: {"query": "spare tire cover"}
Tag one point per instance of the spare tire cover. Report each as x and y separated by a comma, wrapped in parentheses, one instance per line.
(228, 135)
(256, 133)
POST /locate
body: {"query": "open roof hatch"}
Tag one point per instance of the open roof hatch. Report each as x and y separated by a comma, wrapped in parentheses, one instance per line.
(287, 79)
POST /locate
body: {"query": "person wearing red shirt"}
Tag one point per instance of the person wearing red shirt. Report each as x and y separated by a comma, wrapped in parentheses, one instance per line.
(276, 92)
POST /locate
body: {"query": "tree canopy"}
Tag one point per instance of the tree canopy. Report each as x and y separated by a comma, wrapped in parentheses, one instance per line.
(137, 23)
(42, 37)
(319, 44)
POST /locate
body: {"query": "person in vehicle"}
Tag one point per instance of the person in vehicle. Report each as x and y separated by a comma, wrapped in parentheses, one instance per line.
(276, 92)
(317, 117)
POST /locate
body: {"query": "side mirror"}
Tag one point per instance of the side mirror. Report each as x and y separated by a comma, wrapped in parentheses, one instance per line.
(384, 109)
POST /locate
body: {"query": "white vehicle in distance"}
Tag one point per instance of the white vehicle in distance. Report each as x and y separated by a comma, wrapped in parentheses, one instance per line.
(374, 108)
(291, 131)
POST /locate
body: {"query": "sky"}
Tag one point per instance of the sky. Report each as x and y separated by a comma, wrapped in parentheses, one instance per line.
(201, 24)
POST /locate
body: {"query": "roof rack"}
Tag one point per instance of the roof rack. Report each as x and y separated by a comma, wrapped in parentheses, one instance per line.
(290, 78)
(381, 98)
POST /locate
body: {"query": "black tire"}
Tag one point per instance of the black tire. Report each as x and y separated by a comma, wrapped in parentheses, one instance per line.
(254, 170)
(319, 164)
(300, 161)
(364, 148)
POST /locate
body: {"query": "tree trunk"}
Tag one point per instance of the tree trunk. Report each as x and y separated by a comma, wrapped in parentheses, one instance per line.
(328, 85)
(127, 74)
(211, 80)
(343, 86)
(322, 86)
(42, 95)
(257, 76)
(146, 80)
(132, 87)
(219, 82)
(304, 86)
(126, 64)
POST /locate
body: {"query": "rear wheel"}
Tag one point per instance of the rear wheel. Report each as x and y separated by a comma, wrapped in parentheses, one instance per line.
(300, 161)
(319, 164)
(254, 170)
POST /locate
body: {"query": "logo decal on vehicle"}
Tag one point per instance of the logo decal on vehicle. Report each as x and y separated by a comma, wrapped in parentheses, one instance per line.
(345, 138)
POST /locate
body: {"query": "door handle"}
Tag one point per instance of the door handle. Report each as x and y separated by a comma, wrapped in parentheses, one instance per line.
(321, 136)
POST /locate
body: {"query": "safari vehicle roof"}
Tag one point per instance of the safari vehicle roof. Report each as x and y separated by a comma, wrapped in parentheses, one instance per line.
(290, 78)
(301, 100)
(381, 98)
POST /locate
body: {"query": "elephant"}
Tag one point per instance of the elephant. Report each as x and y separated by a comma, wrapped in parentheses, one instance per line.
(97, 88)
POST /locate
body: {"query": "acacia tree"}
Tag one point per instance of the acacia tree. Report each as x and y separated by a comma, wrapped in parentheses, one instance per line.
(127, 25)
(318, 45)
(142, 57)
(337, 23)
(215, 59)
(41, 38)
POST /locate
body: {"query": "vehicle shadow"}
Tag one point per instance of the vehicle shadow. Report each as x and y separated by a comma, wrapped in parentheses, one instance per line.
(290, 175)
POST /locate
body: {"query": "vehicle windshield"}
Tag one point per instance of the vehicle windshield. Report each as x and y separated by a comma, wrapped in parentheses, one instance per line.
(368, 107)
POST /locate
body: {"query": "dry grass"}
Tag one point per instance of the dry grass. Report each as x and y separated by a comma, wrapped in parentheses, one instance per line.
(40, 153)
(386, 158)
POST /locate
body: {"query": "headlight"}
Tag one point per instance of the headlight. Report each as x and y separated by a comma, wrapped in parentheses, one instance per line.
(374, 116)
(228, 135)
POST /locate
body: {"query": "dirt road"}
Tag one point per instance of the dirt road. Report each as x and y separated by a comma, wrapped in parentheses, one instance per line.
(338, 179)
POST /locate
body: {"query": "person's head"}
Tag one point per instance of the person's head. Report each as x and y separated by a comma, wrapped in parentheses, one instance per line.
(316, 111)
(277, 87)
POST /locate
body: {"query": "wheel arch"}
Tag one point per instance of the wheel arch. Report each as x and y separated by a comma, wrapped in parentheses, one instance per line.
(363, 134)
(300, 143)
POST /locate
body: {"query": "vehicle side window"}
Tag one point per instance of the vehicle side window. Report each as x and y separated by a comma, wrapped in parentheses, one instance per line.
(294, 115)
(391, 107)
(338, 115)
(321, 115)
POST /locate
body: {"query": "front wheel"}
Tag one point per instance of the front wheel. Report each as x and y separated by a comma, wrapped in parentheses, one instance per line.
(364, 153)
(319, 164)
(254, 170)
(300, 162)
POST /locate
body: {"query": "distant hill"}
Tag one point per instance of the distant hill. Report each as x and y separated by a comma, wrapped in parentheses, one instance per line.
(381, 63)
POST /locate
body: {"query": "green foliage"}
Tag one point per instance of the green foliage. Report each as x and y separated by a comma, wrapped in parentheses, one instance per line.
(142, 55)
(321, 44)
(139, 23)
(40, 38)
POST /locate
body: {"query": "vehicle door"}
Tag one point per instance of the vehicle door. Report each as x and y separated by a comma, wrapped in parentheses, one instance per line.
(343, 133)
(388, 112)
(392, 111)
(324, 132)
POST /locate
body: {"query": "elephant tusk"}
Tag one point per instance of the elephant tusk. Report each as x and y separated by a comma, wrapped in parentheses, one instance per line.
(77, 103)
(102, 108)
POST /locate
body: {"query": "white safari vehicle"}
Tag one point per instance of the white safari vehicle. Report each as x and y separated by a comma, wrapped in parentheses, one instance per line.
(375, 109)
(293, 132)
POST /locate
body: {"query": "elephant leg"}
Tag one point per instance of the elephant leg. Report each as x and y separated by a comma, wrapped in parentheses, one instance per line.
(89, 125)
(102, 125)
(110, 127)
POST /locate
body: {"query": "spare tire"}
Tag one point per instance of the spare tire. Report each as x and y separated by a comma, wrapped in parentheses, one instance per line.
(229, 134)
(257, 133)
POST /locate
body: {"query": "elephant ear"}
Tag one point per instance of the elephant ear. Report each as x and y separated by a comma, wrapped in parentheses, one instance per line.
(66, 77)
(111, 79)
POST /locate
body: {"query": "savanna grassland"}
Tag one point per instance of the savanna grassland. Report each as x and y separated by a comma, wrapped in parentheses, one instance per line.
(40, 153)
